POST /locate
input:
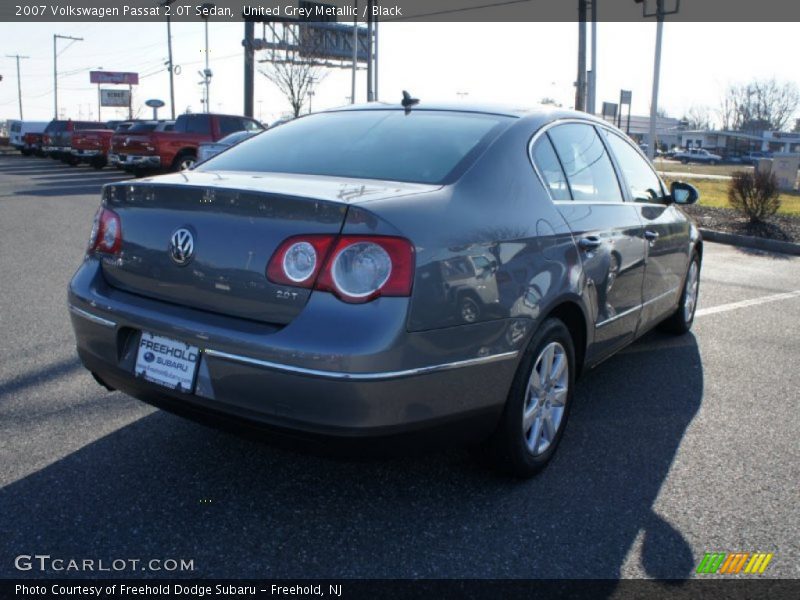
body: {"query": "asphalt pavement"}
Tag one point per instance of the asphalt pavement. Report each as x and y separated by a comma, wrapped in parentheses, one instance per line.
(676, 447)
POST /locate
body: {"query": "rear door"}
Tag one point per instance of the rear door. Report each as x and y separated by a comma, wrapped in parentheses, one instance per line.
(580, 175)
(666, 230)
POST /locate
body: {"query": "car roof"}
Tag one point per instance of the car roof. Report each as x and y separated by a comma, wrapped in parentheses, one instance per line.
(535, 114)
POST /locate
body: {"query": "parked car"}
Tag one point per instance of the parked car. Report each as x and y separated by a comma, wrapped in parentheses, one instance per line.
(286, 281)
(32, 144)
(18, 129)
(752, 158)
(120, 141)
(698, 155)
(208, 149)
(92, 145)
(57, 137)
(177, 149)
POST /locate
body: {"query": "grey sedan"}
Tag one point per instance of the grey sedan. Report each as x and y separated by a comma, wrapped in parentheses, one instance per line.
(386, 269)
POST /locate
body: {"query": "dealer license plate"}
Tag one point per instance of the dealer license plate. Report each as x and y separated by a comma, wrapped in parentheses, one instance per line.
(167, 362)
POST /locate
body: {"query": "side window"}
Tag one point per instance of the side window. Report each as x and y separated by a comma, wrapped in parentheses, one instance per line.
(198, 124)
(251, 125)
(586, 163)
(546, 161)
(229, 125)
(644, 184)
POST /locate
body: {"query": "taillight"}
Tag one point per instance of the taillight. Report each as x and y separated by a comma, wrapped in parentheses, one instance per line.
(298, 260)
(355, 268)
(106, 233)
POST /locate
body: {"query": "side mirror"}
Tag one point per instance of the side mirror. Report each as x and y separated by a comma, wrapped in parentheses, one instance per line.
(683, 193)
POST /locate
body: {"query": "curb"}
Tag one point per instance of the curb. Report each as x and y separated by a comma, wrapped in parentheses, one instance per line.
(747, 241)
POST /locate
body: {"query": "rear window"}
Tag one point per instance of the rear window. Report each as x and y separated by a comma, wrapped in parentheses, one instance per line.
(142, 127)
(421, 146)
(56, 126)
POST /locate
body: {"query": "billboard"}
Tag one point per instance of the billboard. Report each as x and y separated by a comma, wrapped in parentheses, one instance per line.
(115, 98)
(114, 77)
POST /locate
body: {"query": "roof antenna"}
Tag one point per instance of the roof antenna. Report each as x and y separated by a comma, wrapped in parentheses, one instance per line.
(408, 101)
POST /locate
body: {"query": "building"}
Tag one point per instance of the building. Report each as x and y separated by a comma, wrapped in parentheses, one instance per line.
(724, 143)
(781, 142)
(667, 129)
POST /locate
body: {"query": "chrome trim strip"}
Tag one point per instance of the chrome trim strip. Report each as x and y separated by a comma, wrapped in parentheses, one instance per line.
(618, 316)
(339, 375)
(637, 307)
(660, 296)
(90, 317)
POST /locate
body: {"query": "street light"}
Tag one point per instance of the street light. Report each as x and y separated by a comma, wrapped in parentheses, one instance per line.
(206, 12)
(166, 3)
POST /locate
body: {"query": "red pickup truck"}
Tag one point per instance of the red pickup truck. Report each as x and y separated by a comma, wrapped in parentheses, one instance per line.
(92, 145)
(177, 149)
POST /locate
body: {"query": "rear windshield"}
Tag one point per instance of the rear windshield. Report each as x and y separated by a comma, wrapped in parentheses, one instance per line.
(421, 146)
(56, 126)
(142, 126)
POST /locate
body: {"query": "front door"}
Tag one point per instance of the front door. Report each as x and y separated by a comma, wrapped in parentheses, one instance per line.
(665, 228)
(607, 229)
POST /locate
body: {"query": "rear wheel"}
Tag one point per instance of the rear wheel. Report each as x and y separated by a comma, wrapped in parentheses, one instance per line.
(98, 162)
(183, 161)
(539, 402)
(681, 320)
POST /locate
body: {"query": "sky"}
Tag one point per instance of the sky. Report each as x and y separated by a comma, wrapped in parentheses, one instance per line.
(508, 63)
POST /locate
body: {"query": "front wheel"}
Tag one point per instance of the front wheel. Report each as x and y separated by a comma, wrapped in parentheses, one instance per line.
(539, 402)
(681, 320)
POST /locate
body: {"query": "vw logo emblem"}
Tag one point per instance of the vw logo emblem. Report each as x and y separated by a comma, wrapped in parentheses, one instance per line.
(181, 246)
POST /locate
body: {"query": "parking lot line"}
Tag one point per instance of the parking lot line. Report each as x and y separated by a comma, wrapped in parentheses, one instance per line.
(745, 303)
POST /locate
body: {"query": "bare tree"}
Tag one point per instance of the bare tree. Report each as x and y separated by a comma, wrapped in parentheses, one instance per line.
(295, 80)
(698, 117)
(759, 105)
(548, 101)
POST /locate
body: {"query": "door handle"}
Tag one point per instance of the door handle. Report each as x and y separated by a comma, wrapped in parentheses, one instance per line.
(589, 242)
(651, 235)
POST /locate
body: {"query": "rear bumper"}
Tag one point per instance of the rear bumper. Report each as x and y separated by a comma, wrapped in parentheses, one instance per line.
(303, 377)
(85, 153)
(135, 161)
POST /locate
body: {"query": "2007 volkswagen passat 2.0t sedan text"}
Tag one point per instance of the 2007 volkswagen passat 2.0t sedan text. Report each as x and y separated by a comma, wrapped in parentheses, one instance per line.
(382, 270)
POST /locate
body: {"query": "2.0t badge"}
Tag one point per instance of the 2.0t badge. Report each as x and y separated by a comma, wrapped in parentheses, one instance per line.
(181, 246)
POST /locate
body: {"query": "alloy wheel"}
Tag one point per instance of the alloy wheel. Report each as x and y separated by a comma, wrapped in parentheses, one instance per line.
(545, 398)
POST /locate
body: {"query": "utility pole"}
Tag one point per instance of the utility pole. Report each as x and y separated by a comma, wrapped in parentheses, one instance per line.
(355, 53)
(370, 93)
(375, 61)
(659, 15)
(166, 3)
(57, 37)
(591, 104)
(249, 69)
(19, 80)
(580, 84)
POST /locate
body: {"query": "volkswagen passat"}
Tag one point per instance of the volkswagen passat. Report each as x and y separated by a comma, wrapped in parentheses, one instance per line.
(389, 269)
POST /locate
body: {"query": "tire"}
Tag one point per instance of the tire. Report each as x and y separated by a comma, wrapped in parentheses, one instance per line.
(713, 163)
(524, 449)
(684, 161)
(98, 162)
(469, 310)
(680, 322)
(184, 161)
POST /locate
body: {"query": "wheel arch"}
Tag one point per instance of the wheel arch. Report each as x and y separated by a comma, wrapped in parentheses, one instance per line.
(571, 314)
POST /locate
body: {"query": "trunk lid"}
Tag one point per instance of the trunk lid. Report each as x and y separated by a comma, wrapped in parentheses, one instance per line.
(236, 223)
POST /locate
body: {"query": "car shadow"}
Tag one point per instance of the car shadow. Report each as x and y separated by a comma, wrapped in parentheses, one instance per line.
(163, 487)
